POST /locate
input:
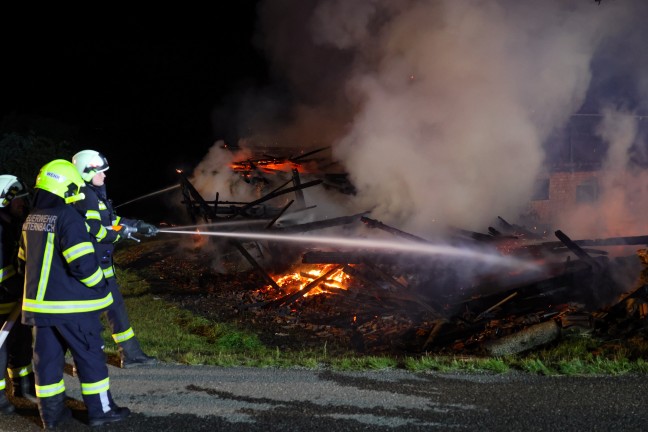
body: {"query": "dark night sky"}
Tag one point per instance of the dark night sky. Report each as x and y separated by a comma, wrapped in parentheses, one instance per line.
(142, 91)
(154, 91)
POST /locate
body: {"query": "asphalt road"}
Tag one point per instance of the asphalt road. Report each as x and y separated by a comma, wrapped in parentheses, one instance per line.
(202, 398)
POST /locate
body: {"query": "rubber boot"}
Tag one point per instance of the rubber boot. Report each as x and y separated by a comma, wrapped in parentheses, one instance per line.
(5, 406)
(114, 415)
(95, 405)
(132, 355)
(53, 411)
(24, 387)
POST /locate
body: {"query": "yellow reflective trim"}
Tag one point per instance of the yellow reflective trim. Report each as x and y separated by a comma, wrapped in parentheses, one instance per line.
(7, 272)
(77, 251)
(21, 251)
(45, 269)
(93, 214)
(50, 390)
(19, 372)
(93, 279)
(123, 336)
(6, 308)
(3, 384)
(96, 387)
(103, 232)
(102, 206)
(64, 307)
(108, 272)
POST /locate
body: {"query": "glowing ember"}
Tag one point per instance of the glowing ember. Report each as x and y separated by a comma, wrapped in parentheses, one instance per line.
(297, 280)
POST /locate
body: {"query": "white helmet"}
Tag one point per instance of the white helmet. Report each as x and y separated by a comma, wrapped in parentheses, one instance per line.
(89, 163)
(11, 187)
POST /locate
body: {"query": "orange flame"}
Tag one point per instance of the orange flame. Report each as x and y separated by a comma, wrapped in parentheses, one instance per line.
(297, 280)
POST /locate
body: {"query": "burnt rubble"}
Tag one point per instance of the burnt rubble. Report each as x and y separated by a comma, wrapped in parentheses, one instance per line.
(401, 302)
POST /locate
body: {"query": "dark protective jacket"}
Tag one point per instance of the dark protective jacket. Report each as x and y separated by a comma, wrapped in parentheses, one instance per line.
(11, 283)
(100, 217)
(63, 279)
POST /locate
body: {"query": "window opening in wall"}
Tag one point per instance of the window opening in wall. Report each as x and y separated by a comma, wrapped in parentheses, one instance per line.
(587, 191)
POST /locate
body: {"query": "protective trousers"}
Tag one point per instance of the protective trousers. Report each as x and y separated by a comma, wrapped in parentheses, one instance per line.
(16, 352)
(83, 339)
(117, 316)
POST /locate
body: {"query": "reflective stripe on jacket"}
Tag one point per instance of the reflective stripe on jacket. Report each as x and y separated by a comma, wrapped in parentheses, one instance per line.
(100, 215)
(62, 274)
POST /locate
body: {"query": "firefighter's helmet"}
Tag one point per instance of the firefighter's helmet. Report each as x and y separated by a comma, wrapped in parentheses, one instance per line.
(89, 163)
(11, 187)
(61, 178)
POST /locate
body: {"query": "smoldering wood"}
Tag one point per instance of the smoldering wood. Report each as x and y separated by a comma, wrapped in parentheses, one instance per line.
(508, 306)
(288, 299)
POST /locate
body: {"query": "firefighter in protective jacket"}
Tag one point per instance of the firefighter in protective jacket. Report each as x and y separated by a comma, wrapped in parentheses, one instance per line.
(108, 229)
(65, 292)
(16, 351)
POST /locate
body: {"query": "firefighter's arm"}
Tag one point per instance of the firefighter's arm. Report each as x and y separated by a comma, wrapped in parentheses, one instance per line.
(79, 253)
(89, 209)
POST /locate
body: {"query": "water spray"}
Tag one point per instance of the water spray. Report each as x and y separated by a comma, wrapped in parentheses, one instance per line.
(149, 195)
(413, 247)
(220, 224)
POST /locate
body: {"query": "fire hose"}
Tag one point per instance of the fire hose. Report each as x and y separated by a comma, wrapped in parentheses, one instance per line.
(9, 323)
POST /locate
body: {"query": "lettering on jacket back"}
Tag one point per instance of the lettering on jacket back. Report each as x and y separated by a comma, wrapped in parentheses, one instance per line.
(40, 222)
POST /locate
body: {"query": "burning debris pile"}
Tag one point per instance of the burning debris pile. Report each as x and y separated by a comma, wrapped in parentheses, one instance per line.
(524, 291)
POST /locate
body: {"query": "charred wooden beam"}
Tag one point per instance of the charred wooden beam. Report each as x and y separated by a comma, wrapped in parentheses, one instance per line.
(286, 300)
(578, 251)
(471, 234)
(299, 194)
(276, 193)
(283, 210)
(372, 223)
(190, 192)
(256, 265)
(386, 277)
(438, 324)
(297, 159)
(518, 230)
(496, 305)
(530, 337)
(327, 223)
(398, 295)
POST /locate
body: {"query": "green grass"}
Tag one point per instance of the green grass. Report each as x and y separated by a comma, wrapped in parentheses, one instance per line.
(174, 335)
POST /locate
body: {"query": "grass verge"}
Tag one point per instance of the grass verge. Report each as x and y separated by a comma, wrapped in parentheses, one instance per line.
(174, 335)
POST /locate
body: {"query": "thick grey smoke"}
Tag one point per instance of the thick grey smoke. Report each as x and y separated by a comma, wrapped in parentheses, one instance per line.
(438, 109)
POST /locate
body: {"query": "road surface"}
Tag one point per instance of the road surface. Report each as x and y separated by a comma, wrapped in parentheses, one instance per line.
(205, 398)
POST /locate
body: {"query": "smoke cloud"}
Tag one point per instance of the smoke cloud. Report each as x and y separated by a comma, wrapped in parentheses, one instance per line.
(439, 110)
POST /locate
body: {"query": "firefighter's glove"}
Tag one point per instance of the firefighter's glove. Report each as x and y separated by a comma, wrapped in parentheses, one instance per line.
(146, 229)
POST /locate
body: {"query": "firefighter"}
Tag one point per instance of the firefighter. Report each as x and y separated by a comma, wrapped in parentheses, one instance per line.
(108, 229)
(65, 293)
(16, 351)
